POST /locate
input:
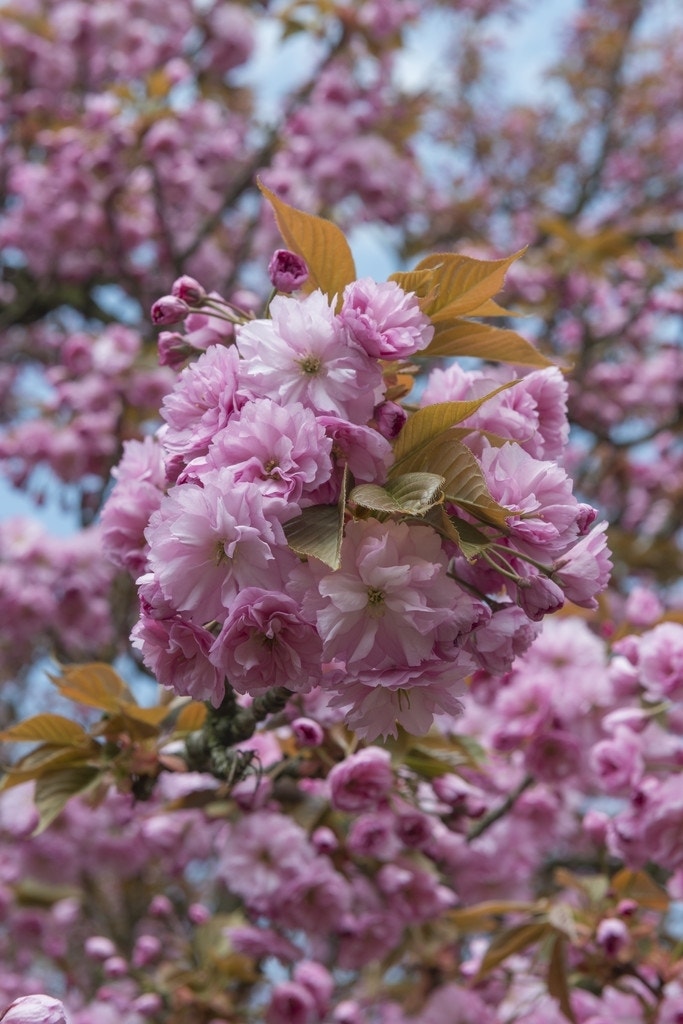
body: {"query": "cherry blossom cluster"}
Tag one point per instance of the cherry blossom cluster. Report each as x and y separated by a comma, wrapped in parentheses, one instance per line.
(377, 854)
(54, 597)
(70, 421)
(260, 430)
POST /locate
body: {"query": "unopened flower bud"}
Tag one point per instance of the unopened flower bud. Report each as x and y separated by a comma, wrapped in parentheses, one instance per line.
(307, 732)
(612, 935)
(324, 840)
(173, 349)
(390, 419)
(169, 309)
(189, 290)
(35, 1010)
(115, 967)
(287, 270)
(585, 518)
(99, 947)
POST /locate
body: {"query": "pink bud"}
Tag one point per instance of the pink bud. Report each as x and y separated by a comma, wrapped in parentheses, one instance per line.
(99, 947)
(307, 732)
(169, 309)
(173, 349)
(189, 290)
(390, 419)
(147, 949)
(35, 1010)
(291, 1003)
(612, 935)
(324, 840)
(115, 967)
(198, 913)
(287, 270)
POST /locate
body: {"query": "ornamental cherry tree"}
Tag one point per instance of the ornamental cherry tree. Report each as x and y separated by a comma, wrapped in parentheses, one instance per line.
(408, 759)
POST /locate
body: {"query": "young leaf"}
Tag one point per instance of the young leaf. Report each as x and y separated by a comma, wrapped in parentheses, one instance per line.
(318, 532)
(639, 886)
(319, 242)
(466, 338)
(45, 759)
(511, 941)
(464, 481)
(411, 494)
(96, 685)
(465, 484)
(426, 424)
(190, 718)
(464, 284)
(484, 916)
(417, 281)
(55, 789)
(558, 983)
(46, 728)
(469, 539)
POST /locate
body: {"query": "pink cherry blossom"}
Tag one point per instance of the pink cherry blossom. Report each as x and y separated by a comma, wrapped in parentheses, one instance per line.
(265, 641)
(177, 653)
(660, 661)
(137, 493)
(303, 354)
(207, 542)
(384, 319)
(584, 570)
(382, 608)
(362, 781)
(35, 1010)
(201, 402)
(283, 451)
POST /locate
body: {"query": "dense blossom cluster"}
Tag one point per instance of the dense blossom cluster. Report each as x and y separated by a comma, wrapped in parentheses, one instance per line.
(260, 430)
(377, 850)
(55, 591)
(454, 805)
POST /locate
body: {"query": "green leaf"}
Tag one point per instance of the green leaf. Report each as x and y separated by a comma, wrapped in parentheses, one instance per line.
(320, 242)
(46, 728)
(96, 685)
(465, 484)
(469, 539)
(431, 766)
(55, 789)
(319, 530)
(426, 424)
(410, 494)
(466, 338)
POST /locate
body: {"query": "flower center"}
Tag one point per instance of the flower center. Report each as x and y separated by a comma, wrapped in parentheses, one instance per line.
(310, 365)
(375, 602)
(269, 470)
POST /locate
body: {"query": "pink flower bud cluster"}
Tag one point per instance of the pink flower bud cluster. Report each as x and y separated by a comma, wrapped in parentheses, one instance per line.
(257, 433)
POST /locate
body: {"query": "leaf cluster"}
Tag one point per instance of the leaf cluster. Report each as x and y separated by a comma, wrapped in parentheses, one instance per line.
(125, 745)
